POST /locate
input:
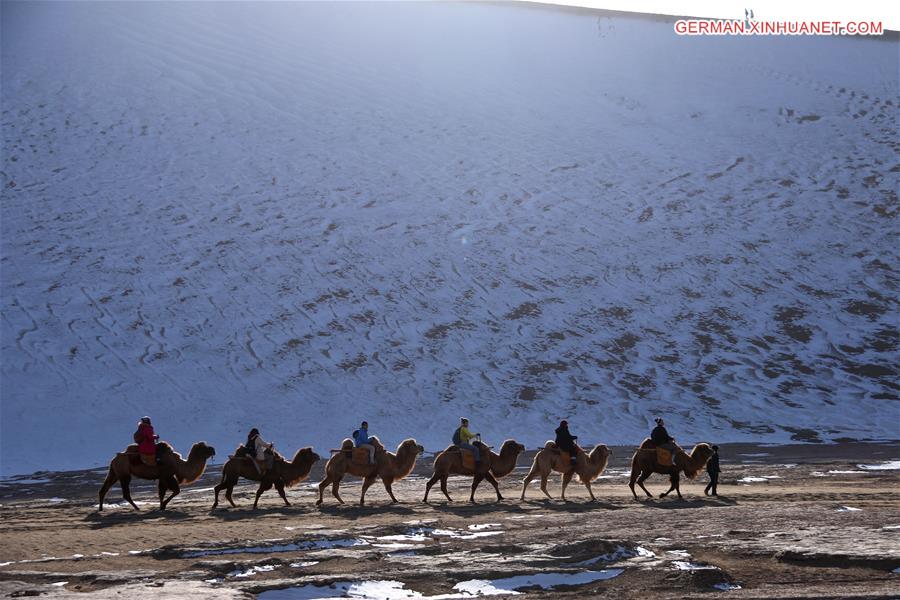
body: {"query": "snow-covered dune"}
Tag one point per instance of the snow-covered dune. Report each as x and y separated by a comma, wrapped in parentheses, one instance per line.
(299, 216)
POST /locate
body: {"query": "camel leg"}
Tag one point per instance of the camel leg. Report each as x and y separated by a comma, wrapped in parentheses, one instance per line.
(263, 487)
(475, 481)
(217, 489)
(161, 488)
(587, 484)
(566, 478)
(528, 479)
(108, 483)
(544, 485)
(367, 483)
(493, 481)
(388, 485)
(226, 485)
(176, 489)
(676, 481)
(125, 482)
(322, 485)
(335, 489)
(279, 485)
(228, 497)
(444, 488)
(640, 482)
(634, 476)
(430, 483)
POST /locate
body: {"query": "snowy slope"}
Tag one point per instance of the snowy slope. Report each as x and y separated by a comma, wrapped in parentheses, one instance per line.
(297, 216)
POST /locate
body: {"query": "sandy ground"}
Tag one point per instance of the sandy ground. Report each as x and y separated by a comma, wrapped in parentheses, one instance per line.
(810, 522)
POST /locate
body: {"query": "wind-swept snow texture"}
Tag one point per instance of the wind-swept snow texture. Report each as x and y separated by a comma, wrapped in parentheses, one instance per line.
(297, 216)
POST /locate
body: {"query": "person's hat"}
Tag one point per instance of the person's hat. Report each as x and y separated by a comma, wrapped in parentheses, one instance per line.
(365, 423)
(563, 423)
(254, 431)
(659, 421)
(463, 420)
(145, 420)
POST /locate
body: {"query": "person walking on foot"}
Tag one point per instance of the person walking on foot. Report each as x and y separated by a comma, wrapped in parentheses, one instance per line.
(565, 441)
(462, 437)
(712, 467)
(361, 440)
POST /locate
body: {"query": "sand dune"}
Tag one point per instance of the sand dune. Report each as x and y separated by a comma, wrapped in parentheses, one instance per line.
(297, 216)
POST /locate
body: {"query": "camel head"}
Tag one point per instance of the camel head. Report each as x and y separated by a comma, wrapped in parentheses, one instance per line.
(698, 458)
(306, 454)
(202, 451)
(600, 453)
(512, 446)
(410, 445)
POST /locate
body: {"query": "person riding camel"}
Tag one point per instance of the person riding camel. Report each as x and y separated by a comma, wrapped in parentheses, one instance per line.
(462, 438)
(361, 440)
(146, 441)
(565, 441)
(661, 438)
(260, 451)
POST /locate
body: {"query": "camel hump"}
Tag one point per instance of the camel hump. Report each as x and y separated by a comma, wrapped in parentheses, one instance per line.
(550, 445)
(347, 444)
(647, 444)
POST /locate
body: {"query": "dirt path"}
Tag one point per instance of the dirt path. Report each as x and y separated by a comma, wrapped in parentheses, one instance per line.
(790, 522)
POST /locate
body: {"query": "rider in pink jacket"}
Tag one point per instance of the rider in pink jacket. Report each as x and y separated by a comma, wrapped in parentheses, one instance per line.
(147, 443)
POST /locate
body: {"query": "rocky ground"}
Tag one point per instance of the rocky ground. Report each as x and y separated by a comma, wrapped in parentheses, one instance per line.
(805, 521)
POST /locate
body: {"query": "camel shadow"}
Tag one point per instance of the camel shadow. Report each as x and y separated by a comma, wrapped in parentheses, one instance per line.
(236, 514)
(576, 506)
(480, 508)
(100, 520)
(676, 504)
(355, 511)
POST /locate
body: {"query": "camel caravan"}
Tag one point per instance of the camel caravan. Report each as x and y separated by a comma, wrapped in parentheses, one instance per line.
(365, 457)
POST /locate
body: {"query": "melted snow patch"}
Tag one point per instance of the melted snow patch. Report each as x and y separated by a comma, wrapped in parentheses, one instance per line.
(848, 509)
(726, 587)
(752, 480)
(891, 465)
(683, 565)
(620, 553)
(547, 581)
(252, 571)
(480, 526)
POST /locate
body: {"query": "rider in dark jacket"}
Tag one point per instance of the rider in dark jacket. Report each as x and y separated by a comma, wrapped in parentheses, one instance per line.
(566, 441)
(661, 438)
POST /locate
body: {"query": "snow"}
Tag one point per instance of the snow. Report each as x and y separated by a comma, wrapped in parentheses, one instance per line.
(892, 465)
(726, 587)
(238, 573)
(543, 580)
(300, 215)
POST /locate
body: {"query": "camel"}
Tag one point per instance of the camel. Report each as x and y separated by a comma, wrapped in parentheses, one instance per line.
(588, 466)
(644, 463)
(492, 467)
(282, 474)
(171, 471)
(390, 467)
